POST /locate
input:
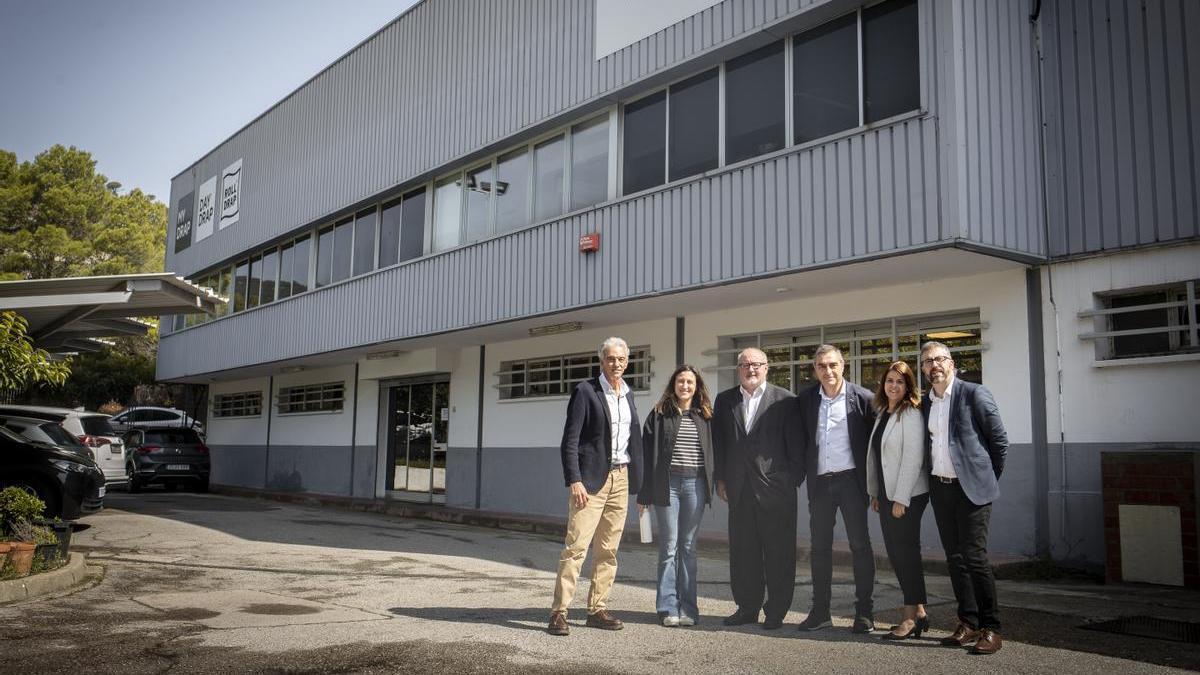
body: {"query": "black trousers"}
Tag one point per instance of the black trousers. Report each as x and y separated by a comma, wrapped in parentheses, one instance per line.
(762, 554)
(963, 528)
(902, 537)
(826, 496)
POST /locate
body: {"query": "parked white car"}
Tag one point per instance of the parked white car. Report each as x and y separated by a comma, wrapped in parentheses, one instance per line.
(153, 417)
(91, 428)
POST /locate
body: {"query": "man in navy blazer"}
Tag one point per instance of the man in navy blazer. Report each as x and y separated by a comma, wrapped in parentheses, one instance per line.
(835, 420)
(601, 457)
(965, 452)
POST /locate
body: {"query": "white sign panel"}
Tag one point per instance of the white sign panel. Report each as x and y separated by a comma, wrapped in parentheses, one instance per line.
(620, 23)
(231, 194)
(206, 209)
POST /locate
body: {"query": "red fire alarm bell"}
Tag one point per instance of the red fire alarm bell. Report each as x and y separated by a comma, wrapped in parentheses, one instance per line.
(589, 243)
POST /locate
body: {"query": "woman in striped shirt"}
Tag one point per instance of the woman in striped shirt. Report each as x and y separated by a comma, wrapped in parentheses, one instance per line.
(677, 449)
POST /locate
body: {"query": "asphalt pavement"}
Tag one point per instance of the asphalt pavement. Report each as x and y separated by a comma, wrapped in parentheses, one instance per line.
(214, 583)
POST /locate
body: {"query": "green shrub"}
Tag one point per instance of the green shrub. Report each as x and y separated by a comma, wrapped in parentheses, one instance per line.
(17, 505)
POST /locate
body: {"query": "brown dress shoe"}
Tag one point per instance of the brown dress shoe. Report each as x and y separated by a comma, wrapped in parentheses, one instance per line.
(603, 619)
(989, 642)
(962, 636)
(558, 624)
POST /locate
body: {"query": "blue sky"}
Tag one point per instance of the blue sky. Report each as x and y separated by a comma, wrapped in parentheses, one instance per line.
(141, 84)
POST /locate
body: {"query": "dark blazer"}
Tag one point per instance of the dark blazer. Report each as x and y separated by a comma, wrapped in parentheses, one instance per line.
(658, 447)
(587, 439)
(860, 419)
(978, 442)
(762, 459)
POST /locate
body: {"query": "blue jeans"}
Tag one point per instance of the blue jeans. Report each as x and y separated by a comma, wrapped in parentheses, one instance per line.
(678, 524)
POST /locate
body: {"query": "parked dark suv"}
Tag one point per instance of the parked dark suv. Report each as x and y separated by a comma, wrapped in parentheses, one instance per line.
(69, 483)
(167, 456)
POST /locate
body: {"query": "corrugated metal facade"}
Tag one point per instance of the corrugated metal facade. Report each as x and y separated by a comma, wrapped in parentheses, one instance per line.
(1122, 138)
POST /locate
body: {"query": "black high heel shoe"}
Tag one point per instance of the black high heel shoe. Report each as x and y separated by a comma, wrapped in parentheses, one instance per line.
(920, 625)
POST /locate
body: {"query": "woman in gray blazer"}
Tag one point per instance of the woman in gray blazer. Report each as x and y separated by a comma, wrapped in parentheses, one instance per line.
(899, 488)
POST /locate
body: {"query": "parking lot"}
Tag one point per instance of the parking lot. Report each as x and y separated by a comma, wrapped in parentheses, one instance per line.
(208, 583)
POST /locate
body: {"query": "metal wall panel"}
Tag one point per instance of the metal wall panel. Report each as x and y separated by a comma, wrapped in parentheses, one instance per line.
(1122, 140)
(741, 223)
(447, 79)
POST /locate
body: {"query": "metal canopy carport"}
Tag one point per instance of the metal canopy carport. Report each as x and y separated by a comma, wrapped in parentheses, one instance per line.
(69, 315)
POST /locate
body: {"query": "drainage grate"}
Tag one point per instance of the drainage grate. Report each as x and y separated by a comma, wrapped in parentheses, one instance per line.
(1150, 627)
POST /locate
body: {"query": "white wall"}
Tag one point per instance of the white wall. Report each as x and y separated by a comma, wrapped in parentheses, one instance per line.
(308, 429)
(1000, 297)
(535, 423)
(239, 430)
(1114, 404)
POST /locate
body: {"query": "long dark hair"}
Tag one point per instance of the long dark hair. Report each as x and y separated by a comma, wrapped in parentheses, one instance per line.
(912, 398)
(669, 405)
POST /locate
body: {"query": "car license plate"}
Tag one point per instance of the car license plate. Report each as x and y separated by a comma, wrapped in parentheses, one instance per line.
(114, 449)
(101, 491)
(178, 467)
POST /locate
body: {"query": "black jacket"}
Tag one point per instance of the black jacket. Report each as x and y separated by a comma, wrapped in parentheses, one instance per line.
(860, 419)
(658, 447)
(587, 439)
(760, 460)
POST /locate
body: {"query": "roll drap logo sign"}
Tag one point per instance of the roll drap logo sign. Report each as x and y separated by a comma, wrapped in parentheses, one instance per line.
(231, 194)
(206, 209)
(183, 222)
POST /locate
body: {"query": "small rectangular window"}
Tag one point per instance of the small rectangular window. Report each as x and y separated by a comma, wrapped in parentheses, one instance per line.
(825, 79)
(241, 279)
(589, 163)
(480, 187)
(447, 212)
(324, 257)
(364, 241)
(389, 234)
(287, 256)
(645, 144)
(556, 375)
(254, 286)
(754, 103)
(512, 190)
(300, 265)
(549, 170)
(241, 404)
(891, 60)
(695, 125)
(270, 270)
(1158, 321)
(327, 397)
(343, 241)
(412, 229)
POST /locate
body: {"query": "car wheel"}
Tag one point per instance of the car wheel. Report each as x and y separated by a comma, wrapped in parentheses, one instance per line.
(135, 483)
(39, 489)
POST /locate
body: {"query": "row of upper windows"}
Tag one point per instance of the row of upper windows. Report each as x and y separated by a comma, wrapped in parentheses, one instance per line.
(855, 70)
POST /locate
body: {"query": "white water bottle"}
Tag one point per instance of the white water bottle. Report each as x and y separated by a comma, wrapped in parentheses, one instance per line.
(644, 526)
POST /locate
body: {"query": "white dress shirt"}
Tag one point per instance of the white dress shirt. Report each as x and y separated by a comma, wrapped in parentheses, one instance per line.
(939, 432)
(833, 434)
(750, 403)
(621, 418)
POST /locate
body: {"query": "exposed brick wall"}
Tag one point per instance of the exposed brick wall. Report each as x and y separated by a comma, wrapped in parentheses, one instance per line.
(1150, 478)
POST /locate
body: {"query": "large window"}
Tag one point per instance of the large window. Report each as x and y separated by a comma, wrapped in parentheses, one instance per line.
(300, 265)
(589, 163)
(512, 190)
(241, 404)
(241, 279)
(825, 79)
(447, 212)
(287, 257)
(891, 56)
(327, 397)
(364, 241)
(254, 288)
(325, 257)
(343, 237)
(1144, 322)
(270, 271)
(755, 119)
(412, 228)
(557, 375)
(695, 125)
(869, 347)
(389, 233)
(549, 160)
(645, 147)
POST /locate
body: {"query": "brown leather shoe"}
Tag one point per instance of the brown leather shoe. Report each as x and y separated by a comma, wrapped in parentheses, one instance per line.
(989, 642)
(558, 624)
(604, 619)
(962, 636)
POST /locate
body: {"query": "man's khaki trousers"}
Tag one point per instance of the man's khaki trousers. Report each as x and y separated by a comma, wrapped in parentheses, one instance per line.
(601, 519)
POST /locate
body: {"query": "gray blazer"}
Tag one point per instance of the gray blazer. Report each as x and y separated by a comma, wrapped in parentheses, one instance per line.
(978, 442)
(903, 456)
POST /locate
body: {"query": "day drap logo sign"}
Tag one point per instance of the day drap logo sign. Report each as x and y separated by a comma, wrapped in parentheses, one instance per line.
(231, 193)
(183, 222)
(206, 209)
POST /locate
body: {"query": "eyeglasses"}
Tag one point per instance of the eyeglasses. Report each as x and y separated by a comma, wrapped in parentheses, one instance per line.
(752, 366)
(616, 359)
(936, 359)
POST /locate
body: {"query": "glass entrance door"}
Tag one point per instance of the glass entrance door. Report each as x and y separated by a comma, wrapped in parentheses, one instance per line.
(419, 425)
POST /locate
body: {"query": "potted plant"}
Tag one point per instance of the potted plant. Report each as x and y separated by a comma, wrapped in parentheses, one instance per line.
(46, 554)
(21, 555)
(17, 509)
(62, 532)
